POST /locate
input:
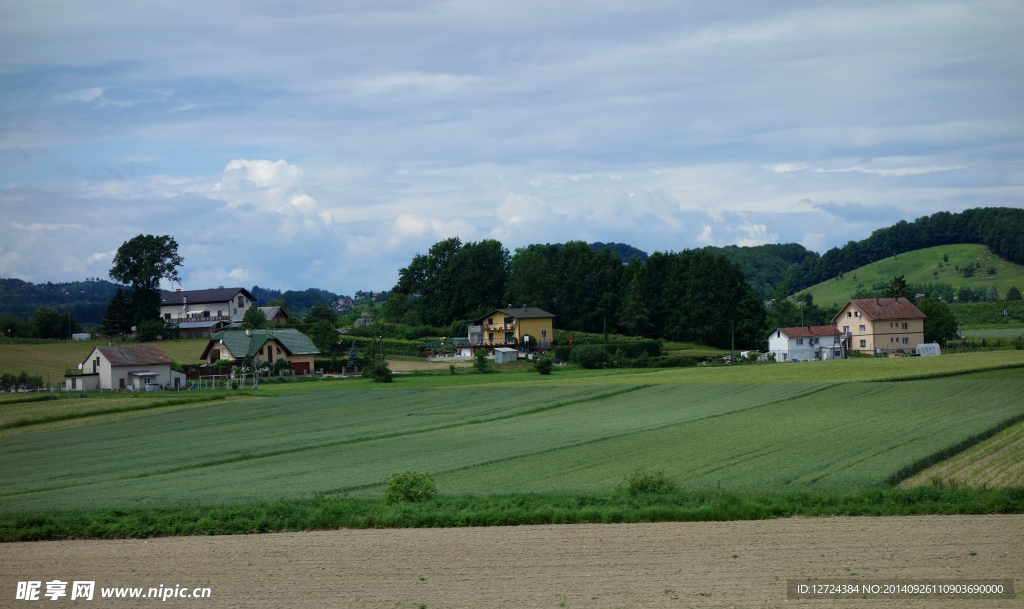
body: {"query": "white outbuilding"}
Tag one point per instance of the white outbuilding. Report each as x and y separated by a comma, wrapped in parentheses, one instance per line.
(806, 343)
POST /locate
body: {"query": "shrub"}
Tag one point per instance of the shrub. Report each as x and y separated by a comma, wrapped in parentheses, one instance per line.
(562, 352)
(589, 356)
(451, 369)
(543, 365)
(642, 482)
(480, 364)
(408, 486)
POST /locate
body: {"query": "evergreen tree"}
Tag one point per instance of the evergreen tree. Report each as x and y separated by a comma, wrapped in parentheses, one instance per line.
(635, 317)
(1013, 293)
(117, 318)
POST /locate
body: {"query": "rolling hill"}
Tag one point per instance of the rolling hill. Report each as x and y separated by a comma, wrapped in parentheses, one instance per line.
(925, 266)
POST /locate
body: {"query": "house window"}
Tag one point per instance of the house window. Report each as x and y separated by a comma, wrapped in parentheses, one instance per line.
(223, 353)
(220, 312)
(863, 343)
(543, 333)
(906, 341)
(279, 350)
(74, 383)
(846, 329)
(490, 336)
(508, 321)
(241, 301)
(490, 321)
(905, 327)
(799, 341)
(121, 383)
(778, 334)
(236, 311)
(856, 313)
(167, 316)
(862, 328)
(849, 313)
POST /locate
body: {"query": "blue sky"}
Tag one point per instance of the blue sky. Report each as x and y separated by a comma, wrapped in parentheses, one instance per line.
(325, 144)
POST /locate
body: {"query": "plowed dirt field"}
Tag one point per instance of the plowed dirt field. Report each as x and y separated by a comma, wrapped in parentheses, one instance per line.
(708, 564)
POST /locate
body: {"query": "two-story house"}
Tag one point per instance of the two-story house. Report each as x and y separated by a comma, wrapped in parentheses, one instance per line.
(268, 345)
(880, 325)
(221, 304)
(805, 343)
(504, 327)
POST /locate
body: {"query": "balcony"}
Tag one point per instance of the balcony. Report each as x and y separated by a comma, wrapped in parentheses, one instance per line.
(182, 320)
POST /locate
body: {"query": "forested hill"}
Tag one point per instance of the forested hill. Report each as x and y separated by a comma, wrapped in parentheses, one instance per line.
(625, 252)
(85, 299)
(1000, 228)
(297, 300)
(766, 266)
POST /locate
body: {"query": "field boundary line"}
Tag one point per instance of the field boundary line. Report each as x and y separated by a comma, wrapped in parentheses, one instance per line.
(251, 456)
(102, 411)
(937, 375)
(922, 464)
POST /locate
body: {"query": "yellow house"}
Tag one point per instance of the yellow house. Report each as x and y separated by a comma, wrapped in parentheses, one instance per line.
(268, 345)
(880, 325)
(503, 327)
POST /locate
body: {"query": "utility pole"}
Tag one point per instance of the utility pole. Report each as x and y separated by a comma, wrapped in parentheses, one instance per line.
(732, 350)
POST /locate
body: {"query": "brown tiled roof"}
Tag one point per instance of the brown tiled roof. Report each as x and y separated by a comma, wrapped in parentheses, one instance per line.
(805, 331)
(134, 355)
(887, 308)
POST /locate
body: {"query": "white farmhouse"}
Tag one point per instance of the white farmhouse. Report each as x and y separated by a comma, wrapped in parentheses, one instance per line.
(805, 343)
(139, 367)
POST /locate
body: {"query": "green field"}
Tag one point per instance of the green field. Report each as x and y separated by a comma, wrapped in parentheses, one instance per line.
(739, 437)
(922, 266)
(50, 360)
(995, 333)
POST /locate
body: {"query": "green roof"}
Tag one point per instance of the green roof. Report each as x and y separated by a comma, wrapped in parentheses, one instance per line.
(243, 345)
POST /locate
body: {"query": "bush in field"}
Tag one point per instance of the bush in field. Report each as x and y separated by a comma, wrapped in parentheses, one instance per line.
(543, 365)
(642, 482)
(408, 486)
(589, 356)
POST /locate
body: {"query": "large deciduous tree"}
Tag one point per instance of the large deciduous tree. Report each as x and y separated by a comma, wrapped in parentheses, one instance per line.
(940, 325)
(254, 319)
(142, 262)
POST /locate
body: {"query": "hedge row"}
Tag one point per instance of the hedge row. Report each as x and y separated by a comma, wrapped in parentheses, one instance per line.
(653, 348)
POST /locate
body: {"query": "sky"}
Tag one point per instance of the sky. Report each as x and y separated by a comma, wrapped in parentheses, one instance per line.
(323, 144)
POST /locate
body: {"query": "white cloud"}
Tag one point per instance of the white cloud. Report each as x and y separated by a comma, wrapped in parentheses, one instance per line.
(38, 226)
(758, 235)
(814, 242)
(705, 238)
(899, 172)
(786, 167)
(82, 95)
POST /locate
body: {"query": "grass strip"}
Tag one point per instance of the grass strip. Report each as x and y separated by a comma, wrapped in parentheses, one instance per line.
(92, 413)
(32, 398)
(944, 374)
(325, 512)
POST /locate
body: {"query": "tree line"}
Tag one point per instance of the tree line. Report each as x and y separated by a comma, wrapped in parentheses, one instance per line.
(692, 295)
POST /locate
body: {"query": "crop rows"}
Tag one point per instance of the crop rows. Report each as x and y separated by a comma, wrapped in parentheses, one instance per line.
(845, 437)
(996, 462)
(275, 449)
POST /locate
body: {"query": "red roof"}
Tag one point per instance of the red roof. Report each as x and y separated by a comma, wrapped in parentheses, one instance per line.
(887, 308)
(805, 331)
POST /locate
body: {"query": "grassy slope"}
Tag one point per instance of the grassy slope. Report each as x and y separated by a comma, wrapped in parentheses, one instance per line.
(996, 462)
(53, 358)
(919, 266)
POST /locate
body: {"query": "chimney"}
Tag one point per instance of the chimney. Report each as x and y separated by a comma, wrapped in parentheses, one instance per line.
(248, 332)
(876, 301)
(897, 299)
(220, 287)
(177, 290)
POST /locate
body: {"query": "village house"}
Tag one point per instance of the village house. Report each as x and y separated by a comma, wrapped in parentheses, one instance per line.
(880, 325)
(275, 314)
(507, 327)
(221, 304)
(268, 345)
(137, 367)
(805, 343)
